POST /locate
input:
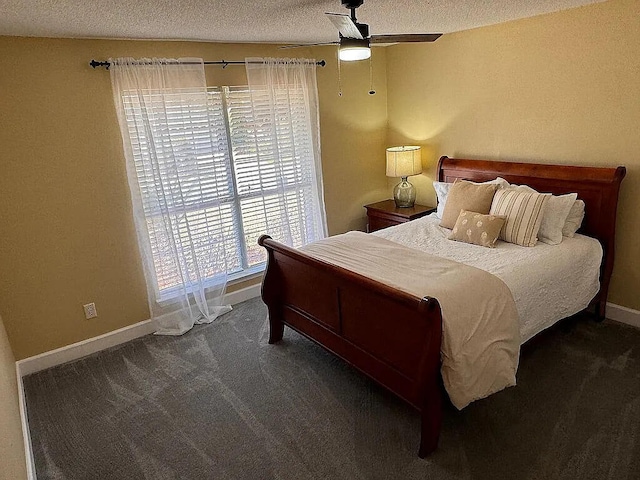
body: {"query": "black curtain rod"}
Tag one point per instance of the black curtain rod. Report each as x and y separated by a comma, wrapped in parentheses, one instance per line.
(224, 63)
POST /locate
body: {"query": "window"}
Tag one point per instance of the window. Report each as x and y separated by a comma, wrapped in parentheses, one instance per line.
(234, 180)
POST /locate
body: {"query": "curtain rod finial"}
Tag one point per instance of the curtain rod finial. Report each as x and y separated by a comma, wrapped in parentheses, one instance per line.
(95, 63)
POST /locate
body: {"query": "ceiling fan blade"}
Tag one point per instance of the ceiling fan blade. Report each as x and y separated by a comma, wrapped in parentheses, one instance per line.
(407, 37)
(309, 45)
(345, 25)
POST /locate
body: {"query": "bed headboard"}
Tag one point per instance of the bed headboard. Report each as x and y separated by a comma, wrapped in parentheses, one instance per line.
(597, 187)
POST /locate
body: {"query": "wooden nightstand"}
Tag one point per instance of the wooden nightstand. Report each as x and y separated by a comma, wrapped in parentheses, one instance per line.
(385, 214)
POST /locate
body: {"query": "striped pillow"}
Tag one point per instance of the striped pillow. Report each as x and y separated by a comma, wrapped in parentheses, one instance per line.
(523, 211)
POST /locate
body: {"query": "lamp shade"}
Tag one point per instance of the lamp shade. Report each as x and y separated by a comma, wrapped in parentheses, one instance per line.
(350, 54)
(352, 49)
(403, 161)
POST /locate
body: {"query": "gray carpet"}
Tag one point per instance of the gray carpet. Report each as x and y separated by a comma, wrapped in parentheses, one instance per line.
(220, 403)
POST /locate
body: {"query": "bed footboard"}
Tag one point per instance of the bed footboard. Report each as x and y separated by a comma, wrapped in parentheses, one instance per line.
(390, 336)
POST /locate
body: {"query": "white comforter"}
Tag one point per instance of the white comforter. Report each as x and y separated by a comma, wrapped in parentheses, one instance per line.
(548, 282)
(480, 332)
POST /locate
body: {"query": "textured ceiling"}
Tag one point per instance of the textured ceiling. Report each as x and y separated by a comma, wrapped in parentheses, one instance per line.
(270, 21)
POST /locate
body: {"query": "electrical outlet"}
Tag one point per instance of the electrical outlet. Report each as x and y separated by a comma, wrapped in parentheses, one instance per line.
(90, 311)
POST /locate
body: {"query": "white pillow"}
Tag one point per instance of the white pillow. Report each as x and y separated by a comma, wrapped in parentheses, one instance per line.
(442, 191)
(574, 219)
(554, 217)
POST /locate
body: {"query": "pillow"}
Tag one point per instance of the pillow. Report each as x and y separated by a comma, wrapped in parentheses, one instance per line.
(574, 219)
(465, 195)
(554, 217)
(442, 191)
(478, 229)
(523, 210)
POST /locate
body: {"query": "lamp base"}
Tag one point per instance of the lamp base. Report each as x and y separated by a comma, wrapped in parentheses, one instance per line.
(404, 194)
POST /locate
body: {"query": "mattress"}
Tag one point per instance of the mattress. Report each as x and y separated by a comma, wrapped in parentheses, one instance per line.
(548, 282)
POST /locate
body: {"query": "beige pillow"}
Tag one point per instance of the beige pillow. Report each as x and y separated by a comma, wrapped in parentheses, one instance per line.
(442, 191)
(478, 229)
(523, 211)
(469, 196)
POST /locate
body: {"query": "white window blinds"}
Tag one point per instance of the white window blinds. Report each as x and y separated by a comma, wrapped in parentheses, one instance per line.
(230, 174)
(273, 169)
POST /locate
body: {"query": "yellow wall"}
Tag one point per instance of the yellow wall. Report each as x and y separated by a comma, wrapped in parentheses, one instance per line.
(562, 88)
(67, 230)
(12, 460)
(559, 88)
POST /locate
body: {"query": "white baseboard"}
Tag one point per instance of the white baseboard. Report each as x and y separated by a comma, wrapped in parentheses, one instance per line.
(82, 349)
(110, 339)
(26, 434)
(623, 314)
(243, 294)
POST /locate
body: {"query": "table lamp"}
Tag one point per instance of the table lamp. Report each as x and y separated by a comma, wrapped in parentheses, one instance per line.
(402, 162)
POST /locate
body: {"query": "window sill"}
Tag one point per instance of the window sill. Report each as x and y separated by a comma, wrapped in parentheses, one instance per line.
(232, 279)
(248, 274)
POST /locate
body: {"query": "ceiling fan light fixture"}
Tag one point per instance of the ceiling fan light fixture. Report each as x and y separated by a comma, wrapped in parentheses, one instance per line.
(351, 54)
(352, 49)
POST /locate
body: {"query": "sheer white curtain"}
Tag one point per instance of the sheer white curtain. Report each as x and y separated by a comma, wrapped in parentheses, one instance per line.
(284, 100)
(178, 170)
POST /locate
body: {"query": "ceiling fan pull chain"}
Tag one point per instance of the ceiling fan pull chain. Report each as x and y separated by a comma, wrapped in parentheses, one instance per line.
(371, 90)
(339, 72)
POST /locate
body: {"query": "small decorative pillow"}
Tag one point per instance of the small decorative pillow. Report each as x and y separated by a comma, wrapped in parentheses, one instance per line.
(523, 211)
(470, 196)
(574, 220)
(478, 229)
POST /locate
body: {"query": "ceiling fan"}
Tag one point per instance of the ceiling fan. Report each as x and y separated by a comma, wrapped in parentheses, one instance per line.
(355, 40)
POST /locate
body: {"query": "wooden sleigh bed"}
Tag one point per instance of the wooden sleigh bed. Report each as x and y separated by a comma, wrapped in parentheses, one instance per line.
(394, 337)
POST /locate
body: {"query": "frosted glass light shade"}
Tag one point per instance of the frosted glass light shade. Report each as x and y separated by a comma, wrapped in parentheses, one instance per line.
(352, 49)
(350, 54)
(403, 161)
